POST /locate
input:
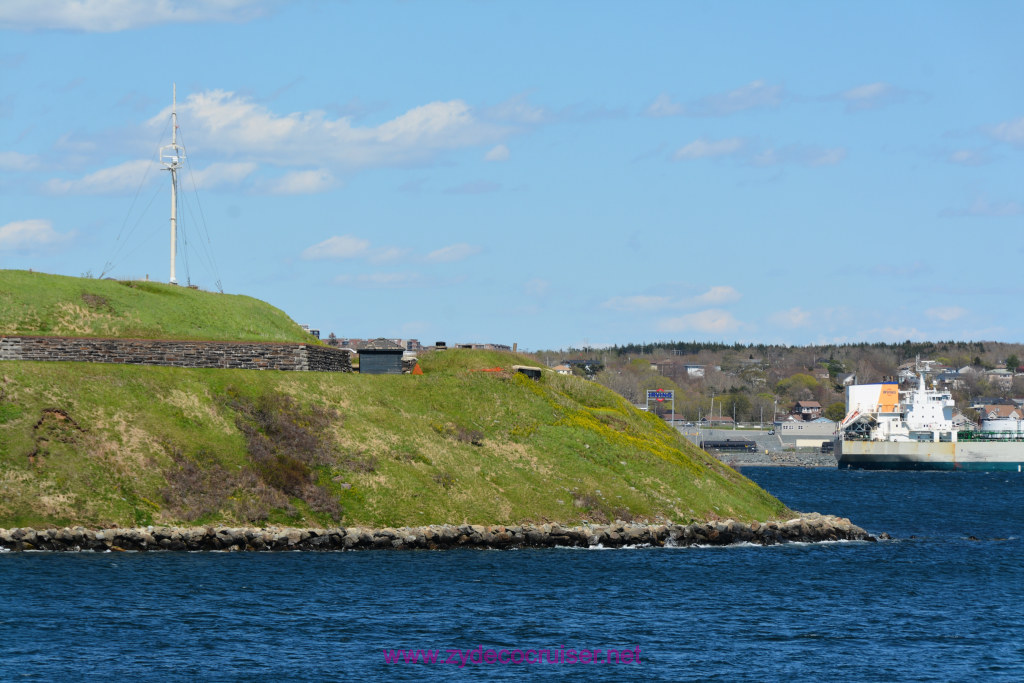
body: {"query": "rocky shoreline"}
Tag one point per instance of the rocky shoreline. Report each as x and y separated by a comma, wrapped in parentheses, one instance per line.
(778, 459)
(808, 528)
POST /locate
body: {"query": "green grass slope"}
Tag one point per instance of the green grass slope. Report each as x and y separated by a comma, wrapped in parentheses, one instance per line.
(55, 305)
(97, 444)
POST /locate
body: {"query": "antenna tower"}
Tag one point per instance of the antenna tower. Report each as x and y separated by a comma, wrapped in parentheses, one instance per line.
(172, 156)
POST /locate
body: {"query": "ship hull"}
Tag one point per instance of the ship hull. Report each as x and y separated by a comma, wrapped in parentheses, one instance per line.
(986, 456)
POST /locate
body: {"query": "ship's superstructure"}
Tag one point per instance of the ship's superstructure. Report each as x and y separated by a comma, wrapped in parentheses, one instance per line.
(886, 428)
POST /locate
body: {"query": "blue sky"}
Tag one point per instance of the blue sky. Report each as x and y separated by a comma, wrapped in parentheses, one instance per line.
(546, 174)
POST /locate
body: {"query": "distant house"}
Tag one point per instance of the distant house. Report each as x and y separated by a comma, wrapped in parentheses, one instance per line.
(981, 401)
(846, 379)
(907, 375)
(694, 370)
(995, 412)
(1002, 378)
(673, 367)
(798, 433)
(562, 369)
(806, 410)
(663, 366)
(409, 345)
(961, 421)
(589, 366)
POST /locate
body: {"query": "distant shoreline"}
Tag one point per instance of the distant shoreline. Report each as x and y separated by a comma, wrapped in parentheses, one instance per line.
(807, 528)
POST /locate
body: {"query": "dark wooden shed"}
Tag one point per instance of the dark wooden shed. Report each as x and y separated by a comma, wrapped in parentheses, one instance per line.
(380, 357)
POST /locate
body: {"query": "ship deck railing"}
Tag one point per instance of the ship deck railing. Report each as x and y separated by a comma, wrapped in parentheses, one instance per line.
(970, 435)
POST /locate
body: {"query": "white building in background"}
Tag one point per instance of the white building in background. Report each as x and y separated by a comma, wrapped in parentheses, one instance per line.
(801, 434)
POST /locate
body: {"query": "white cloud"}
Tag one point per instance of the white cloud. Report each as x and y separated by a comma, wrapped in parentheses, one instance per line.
(945, 313)
(387, 255)
(221, 174)
(753, 95)
(871, 91)
(968, 157)
(714, 296)
(713, 321)
(107, 16)
(664, 106)
(497, 153)
(720, 294)
(312, 146)
(517, 110)
(128, 176)
(337, 247)
(232, 124)
(30, 234)
(125, 177)
(826, 157)
(16, 161)
(1009, 131)
(894, 334)
(871, 96)
(702, 149)
(794, 317)
(983, 207)
(454, 252)
(795, 154)
(537, 287)
(303, 182)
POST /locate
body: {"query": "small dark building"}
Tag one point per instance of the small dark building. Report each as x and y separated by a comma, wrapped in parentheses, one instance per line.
(380, 357)
(528, 370)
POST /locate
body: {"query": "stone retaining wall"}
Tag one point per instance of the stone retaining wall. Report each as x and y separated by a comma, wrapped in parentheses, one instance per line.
(183, 354)
(809, 528)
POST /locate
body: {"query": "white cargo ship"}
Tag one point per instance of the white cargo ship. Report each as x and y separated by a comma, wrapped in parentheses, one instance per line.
(889, 429)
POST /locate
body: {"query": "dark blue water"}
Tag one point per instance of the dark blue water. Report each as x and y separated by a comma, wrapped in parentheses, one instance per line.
(933, 604)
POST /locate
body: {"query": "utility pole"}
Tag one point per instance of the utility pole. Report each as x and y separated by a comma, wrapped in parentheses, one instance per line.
(711, 415)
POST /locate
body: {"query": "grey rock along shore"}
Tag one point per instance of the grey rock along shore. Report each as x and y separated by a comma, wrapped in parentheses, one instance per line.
(809, 528)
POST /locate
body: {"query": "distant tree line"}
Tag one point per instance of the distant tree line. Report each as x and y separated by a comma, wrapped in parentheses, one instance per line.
(755, 382)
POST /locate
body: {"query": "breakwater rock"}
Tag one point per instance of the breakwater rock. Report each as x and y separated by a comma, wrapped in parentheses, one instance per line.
(809, 528)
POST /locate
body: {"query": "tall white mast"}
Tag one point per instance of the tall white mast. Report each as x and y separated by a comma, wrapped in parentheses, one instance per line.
(172, 156)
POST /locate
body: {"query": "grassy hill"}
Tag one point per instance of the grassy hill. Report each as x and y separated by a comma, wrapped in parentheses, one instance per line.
(55, 305)
(96, 444)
